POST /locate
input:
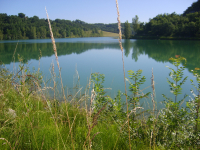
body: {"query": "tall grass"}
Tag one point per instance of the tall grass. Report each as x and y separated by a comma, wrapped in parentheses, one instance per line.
(29, 120)
(120, 44)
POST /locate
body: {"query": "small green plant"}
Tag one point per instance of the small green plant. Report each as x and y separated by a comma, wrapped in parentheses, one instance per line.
(172, 116)
(134, 87)
(100, 98)
(177, 76)
(115, 106)
(176, 83)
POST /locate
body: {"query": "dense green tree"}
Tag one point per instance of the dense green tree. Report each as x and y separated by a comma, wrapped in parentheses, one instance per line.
(136, 24)
(33, 34)
(173, 25)
(127, 30)
(195, 7)
(21, 15)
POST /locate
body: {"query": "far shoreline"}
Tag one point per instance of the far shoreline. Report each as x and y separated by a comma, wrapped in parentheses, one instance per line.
(163, 38)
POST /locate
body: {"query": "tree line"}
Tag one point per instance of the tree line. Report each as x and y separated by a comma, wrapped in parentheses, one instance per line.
(168, 25)
(173, 25)
(22, 27)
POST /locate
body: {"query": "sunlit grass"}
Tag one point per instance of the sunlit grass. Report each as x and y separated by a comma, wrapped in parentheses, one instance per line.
(109, 34)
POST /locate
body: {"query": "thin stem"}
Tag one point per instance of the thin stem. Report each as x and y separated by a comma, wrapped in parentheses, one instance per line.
(55, 52)
(120, 44)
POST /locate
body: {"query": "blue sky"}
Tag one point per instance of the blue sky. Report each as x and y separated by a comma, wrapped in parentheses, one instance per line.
(94, 11)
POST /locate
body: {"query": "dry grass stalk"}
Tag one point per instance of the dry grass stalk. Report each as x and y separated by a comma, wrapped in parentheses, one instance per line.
(97, 115)
(6, 142)
(93, 139)
(14, 57)
(40, 56)
(93, 95)
(120, 44)
(93, 124)
(89, 114)
(76, 95)
(42, 142)
(153, 87)
(55, 52)
(88, 124)
(154, 132)
(69, 124)
(72, 126)
(54, 82)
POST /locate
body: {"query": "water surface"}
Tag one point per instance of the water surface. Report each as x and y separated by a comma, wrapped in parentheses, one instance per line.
(103, 55)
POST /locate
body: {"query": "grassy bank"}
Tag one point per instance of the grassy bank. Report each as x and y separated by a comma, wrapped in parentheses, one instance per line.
(109, 34)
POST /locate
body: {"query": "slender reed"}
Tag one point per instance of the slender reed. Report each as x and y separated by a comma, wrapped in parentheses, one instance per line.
(7, 142)
(120, 44)
(55, 52)
(152, 140)
(14, 56)
(153, 88)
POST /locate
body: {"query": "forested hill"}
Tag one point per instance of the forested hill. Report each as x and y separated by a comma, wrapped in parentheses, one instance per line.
(178, 26)
(194, 8)
(171, 25)
(22, 27)
(112, 27)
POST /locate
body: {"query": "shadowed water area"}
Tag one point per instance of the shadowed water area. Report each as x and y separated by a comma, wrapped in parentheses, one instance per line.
(79, 57)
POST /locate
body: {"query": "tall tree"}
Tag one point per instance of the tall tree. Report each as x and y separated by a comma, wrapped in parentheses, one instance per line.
(21, 15)
(33, 34)
(136, 24)
(127, 30)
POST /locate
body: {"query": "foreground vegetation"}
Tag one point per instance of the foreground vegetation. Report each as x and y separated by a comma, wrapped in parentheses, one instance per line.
(29, 120)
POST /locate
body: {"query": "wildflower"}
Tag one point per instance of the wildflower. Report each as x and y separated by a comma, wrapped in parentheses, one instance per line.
(177, 56)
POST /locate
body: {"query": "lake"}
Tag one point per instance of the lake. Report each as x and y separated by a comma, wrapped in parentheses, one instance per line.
(103, 55)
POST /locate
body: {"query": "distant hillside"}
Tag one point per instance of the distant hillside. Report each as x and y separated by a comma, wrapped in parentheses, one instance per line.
(194, 8)
(22, 27)
(112, 27)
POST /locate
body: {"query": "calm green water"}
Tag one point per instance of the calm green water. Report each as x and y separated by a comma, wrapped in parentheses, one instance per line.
(103, 55)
